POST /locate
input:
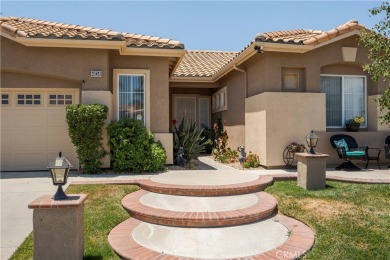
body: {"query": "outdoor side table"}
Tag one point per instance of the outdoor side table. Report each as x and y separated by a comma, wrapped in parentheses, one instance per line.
(311, 170)
(58, 227)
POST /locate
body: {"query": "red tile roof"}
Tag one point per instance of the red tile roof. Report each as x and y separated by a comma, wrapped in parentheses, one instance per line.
(307, 37)
(203, 63)
(33, 28)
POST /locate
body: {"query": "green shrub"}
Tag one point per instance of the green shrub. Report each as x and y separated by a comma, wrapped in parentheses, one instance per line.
(251, 161)
(133, 147)
(188, 135)
(220, 142)
(85, 126)
(230, 156)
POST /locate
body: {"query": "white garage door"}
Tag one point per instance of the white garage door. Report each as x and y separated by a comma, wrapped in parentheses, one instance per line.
(33, 128)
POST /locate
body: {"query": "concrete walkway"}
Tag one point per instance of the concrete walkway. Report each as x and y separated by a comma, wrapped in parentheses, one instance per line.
(18, 189)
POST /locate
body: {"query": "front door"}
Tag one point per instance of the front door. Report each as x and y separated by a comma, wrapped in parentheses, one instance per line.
(193, 108)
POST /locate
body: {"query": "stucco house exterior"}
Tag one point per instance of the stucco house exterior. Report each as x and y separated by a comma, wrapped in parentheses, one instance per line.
(271, 93)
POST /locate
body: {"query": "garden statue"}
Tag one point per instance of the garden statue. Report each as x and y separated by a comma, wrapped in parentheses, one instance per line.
(179, 159)
(242, 157)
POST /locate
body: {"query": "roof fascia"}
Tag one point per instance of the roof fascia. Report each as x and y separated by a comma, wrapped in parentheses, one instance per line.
(338, 38)
(152, 52)
(280, 47)
(192, 79)
(67, 43)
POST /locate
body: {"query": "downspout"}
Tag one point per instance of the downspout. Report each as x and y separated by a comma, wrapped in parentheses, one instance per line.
(246, 79)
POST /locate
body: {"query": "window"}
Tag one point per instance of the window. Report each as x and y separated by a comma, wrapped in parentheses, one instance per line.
(346, 97)
(219, 100)
(131, 92)
(60, 99)
(29, 99)
(5, 99)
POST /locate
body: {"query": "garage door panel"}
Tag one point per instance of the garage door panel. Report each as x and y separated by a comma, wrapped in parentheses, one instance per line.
(32, 136)
(27, 118)
(57, 118)
(32, 139)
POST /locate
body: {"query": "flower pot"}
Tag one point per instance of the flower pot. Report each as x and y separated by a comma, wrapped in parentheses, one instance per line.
(353, 127)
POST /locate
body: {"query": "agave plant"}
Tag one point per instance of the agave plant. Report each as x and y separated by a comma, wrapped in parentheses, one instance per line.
(189, 136)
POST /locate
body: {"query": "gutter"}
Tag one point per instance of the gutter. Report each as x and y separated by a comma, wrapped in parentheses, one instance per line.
(245, 76)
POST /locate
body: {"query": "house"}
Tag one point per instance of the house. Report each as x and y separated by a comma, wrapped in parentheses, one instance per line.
(273, 92)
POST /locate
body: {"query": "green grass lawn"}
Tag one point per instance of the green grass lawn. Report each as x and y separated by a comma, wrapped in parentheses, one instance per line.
(351, 221)
(102, 212)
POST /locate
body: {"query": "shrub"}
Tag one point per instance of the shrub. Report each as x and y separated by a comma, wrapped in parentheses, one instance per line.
(230, 156)
(85, 126)
(188, 135)
(207, 138)
(251, 161)
(220, 141)
(133, 148)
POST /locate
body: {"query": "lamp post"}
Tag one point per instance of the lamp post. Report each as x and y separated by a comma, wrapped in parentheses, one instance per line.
(59, 169)
(312, 140)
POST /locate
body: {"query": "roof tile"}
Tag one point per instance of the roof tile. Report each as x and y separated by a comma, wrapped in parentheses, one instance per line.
(203, 63)
(32, 28)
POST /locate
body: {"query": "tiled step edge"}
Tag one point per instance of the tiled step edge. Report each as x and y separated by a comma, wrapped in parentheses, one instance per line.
(208, 190)
(300, 241)
(263, 208)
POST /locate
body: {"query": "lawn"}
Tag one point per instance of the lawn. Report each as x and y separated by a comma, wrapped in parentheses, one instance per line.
(103, 212)
(351, 221)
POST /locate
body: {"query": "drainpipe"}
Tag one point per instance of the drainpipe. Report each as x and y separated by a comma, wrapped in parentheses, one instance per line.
(246, 79)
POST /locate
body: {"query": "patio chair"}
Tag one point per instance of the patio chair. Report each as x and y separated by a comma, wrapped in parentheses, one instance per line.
(387, 148)
(348, 149)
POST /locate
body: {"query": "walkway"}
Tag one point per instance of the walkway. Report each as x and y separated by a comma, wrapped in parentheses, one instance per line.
(20, 188)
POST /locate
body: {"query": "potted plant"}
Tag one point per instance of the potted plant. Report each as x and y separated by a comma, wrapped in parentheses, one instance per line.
(296, 148)
(353, 125)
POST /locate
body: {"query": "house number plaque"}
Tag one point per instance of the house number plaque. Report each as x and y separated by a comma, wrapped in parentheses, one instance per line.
(96, 73)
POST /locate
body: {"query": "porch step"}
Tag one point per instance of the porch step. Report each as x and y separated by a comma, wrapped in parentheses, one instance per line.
(274, 238)
(179, 211)
(252, 186)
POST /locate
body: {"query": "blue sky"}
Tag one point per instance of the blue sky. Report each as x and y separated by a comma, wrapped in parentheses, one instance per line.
(200, 25)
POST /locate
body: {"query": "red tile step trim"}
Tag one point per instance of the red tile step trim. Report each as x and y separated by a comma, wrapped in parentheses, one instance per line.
(265, 206)
(207, 190)
(300, 241)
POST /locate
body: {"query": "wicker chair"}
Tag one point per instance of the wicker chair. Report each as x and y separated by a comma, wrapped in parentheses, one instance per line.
(351, 151)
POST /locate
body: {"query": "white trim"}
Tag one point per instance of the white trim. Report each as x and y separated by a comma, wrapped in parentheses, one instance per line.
(131, 72)
(217, 97)
(342, 97)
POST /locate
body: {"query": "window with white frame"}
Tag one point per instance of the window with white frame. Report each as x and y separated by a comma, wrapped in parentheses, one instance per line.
(131, 98)
(219, 100)
(346, 97)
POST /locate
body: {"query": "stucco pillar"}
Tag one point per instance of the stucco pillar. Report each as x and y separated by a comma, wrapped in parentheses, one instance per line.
(311, 171)
(58, 227)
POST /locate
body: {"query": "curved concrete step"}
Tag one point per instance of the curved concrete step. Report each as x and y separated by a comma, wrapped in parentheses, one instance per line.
(274, 238)
(179, 211)
(258, 184)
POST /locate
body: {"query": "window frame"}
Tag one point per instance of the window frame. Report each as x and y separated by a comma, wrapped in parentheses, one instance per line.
(216, 100)
(57, 94)
(342, 97)
(41, 99)
(9, 99)
(132, 72)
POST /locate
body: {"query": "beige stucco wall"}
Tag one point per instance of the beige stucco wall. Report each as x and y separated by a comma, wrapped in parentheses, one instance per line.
(274, 120)
(159, 85)
(66, 64)
(233, 118)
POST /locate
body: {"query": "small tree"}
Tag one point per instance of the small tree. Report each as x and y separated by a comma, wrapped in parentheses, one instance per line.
(378, 44)
(85, 126)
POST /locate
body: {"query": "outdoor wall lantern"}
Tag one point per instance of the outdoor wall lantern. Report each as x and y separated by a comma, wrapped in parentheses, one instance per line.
(312, 140)
(59, 169)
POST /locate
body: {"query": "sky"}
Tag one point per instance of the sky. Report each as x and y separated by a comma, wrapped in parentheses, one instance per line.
(200, 25)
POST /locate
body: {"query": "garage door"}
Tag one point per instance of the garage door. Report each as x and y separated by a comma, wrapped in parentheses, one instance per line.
(33, 128)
